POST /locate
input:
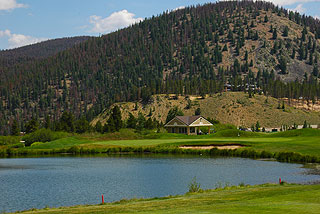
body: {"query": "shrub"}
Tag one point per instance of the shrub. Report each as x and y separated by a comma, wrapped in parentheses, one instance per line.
(17, 145)
(74, 150)
(42, 135)
(7, 140)
(241, 184)
(36, 144)
(194, 186)
(283, 182)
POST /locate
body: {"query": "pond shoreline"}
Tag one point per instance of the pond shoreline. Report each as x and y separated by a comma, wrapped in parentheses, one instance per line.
(244, 152)
(176, 203)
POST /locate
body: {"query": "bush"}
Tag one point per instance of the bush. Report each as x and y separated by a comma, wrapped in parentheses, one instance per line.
(220, 127)
(204, 130)
(36, 144)
(194, 186)
(17, 145)
(8, 140)
(42, 135)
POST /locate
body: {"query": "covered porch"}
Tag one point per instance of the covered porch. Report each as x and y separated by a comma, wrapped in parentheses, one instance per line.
(186, 130)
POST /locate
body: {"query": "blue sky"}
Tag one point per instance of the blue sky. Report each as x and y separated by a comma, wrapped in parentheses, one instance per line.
(24, 22)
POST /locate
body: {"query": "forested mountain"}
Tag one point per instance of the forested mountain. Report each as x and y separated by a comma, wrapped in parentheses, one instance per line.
(39, 50)
(245, 45)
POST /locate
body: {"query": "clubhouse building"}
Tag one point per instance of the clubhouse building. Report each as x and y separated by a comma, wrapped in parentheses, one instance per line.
(189, 125)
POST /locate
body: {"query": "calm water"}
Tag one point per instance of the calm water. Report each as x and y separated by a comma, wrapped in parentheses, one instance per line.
(64, 181)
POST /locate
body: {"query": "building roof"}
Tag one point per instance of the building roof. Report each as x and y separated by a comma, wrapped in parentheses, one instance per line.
(188, 119)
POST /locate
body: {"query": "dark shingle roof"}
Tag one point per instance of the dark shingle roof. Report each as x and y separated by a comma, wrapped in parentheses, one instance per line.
(188, 119)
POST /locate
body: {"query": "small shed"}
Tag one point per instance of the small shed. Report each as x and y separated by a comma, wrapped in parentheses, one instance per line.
(189, 125)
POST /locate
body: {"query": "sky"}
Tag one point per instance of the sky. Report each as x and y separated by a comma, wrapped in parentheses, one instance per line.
(24, 22)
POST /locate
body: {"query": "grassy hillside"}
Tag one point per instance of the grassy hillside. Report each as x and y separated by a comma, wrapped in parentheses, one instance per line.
(254, 199)
(232, 107)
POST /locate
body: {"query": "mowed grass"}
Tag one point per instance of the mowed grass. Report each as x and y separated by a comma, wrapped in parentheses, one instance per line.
(306, 142)
(254, 199)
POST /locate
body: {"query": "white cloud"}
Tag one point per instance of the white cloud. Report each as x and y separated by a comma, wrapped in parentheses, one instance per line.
(113, 22)
(299, 9)
(290, 2)
(5, 33)
(10, 5)
(179, 8)
(317, 17)
(19, 40)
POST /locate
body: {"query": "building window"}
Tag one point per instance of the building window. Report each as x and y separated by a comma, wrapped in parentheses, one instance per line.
(182, 130)
(192, 130)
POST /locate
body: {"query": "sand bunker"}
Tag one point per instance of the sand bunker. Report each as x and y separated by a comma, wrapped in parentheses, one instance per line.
(208, 147)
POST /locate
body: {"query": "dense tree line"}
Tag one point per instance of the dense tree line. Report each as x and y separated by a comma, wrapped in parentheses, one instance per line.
(177, 52)
(67, 123)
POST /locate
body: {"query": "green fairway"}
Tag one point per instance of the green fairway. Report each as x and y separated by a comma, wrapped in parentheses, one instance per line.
(61, 143)
(305, 142)
(256, 199)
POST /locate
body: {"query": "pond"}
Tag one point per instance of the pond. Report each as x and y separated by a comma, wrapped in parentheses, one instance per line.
(27, 183)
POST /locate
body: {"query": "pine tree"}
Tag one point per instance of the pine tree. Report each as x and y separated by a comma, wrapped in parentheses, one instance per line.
(271, 29)
(197, 111)
(110, 126)
(149, 124)
(256, 36)
(175, 111)
(82, 125)
(140, 122)
(66, 122)
(116, 117)
(274, 34)
(257, 126)
(225, 48)
(253, 128)
(311, 59)
(98, 127)
(189, 104)
(32, 126)
(285, 31)
(15, 130)
(131, 122)
(251, 63)
(303, 35)
(293, 55)
(283, 65)
(47, 123)
(315, 71)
